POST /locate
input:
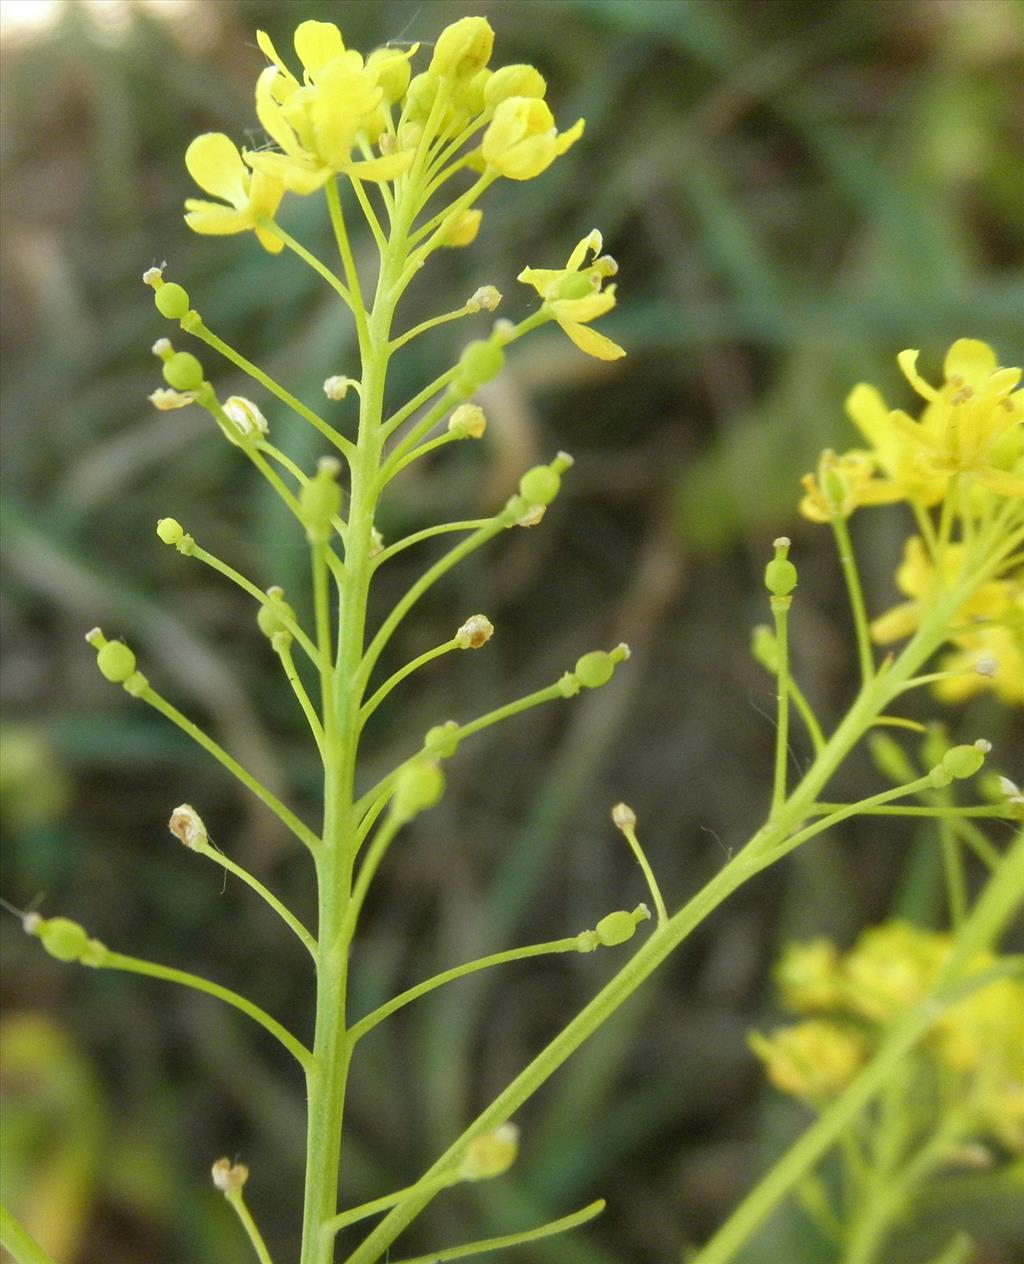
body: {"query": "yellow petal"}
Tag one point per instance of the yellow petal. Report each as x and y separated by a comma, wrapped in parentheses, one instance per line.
(268, 240)
(270, 114)
(895, 624)
(317, 43)
(267, 48)
(593, 343)
(1002, 482)
(214, 218)
(541, 278)
(868, 412)
(265, 194)
(302, 175)
(566, 140)
(380, 169)
(907, 361)
(592, 242)
(582, 310)
(214, 163)
(972, 361)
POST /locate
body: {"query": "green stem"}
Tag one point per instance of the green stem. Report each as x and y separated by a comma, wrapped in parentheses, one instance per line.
(307, 257)
(810, 720)
(347, 261)
(994, 810)
(136, 965)
(428, 533)
(1000, 899)
(511, 1239)
(15, 1238)
(853, 586)
(285, 815)
(285, 913)
(378, 1015)
(427, 656)
(364, 1210)
(249, 1225)
(284, 653)
(249, 587)
(194, 325)
(780, 610)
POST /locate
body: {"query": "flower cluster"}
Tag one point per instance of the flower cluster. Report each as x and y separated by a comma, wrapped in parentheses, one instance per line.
(974, 1053)
(971, 428)
(960, 469)
(371, 119)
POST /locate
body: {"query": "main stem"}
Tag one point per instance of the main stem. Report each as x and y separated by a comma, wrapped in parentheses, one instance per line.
(332, 1046)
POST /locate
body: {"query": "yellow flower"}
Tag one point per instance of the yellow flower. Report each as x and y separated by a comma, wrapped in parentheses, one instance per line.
(972, 424)
(317, 123)
(812, 1060)
(215, 164)
(916, 578)
(521, 139)
(894, 453)
(990, 657)
(891, 968)
(808, 977)
(574, 295)
(843, 483)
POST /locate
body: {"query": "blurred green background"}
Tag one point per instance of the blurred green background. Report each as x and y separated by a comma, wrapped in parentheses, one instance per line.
(795, 191)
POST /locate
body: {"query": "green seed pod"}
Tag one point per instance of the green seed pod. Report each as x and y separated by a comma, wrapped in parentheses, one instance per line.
(616, 928)
(320, 501)
(780, 577)
(115, 661)
(964, 761)
(540, 485)
(183, 371)
(442, 739)
(462, 48)
(170, 530)
(418, 787)
(574, 285)
(594, 669)
(481, 362)
(63, 938)
(171, 300)
(271, 617)
(514, 81)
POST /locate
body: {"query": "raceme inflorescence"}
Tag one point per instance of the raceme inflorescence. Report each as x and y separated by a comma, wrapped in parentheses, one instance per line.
(410, 153)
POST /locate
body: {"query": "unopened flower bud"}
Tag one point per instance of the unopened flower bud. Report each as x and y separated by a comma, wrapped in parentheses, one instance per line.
(418, 787)
(229, 1177)
(183, 372)
(187, 826)
(463, 48)
(462, 228)
(514, 81)
(392, 70)
(475, 632)
(246, 416)
(492, 1154)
